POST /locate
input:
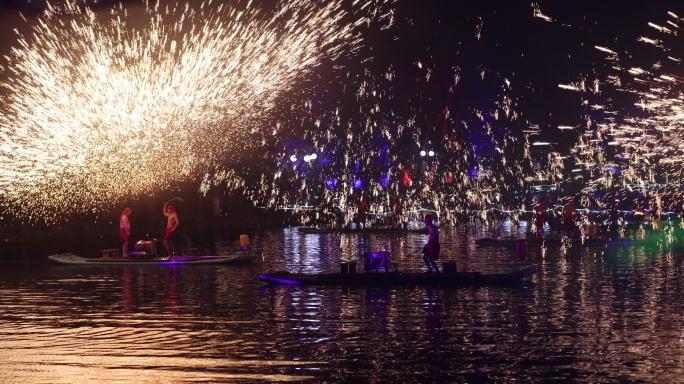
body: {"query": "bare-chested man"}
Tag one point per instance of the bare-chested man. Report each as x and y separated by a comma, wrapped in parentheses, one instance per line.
(171, 225)
(570, 218)
(124, 231)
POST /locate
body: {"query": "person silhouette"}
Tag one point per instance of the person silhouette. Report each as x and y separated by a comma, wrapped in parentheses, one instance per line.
(171, 225)
(124, 231)
(431, 249)
(361, 209)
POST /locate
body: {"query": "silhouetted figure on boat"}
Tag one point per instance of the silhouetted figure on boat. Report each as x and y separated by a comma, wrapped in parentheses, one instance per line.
(570, 218)
(540, 215)
(431, 249)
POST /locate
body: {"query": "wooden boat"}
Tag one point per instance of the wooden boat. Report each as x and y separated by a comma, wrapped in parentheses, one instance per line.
(381, 230)
(71, 259)
(383, 279)
(557, 242)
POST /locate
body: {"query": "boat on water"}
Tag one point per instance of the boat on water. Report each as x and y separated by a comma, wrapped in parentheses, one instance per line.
(378, 230)
(597, 242)
(145, 253)
(385, 279)
(72, 259)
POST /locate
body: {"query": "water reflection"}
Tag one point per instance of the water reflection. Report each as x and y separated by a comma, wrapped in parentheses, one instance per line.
(592, 314)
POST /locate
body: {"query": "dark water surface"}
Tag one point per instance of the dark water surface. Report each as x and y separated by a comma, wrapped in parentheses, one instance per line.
(590, 315)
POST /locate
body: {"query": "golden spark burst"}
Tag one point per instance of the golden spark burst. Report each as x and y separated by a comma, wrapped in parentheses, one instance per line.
(96, 111)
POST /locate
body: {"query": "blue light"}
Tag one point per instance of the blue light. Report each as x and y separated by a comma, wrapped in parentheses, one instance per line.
(358, 183)
(385, 181)
(331, 183)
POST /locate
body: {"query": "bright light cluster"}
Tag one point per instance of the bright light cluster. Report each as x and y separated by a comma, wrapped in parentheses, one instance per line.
(100, 108)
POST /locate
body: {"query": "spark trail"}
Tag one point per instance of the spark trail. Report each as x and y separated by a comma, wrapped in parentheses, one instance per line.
(96, 111)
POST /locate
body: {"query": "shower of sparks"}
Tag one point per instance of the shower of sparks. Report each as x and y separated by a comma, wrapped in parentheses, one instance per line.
(96, 111)
(619, 147)
(379, 144)
(637, 147)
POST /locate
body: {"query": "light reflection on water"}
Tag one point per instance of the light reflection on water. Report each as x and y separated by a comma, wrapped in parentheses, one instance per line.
(592, 314)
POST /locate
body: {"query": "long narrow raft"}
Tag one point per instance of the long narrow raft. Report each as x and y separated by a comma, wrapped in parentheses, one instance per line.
(396, 278)
(71, 259)
(367, 231)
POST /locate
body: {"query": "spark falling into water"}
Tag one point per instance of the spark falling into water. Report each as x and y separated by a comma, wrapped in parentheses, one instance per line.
(96, 111)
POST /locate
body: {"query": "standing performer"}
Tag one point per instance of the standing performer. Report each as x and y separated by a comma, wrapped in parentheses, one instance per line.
(397, 212)
(124, 231)
(171, 225)
(570, 218)
(431, 249)
(361, 208)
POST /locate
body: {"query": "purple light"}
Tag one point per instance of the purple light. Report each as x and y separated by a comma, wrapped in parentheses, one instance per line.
(279, 280)
(385, 181)
(358, 183)
(186, 259)
(331, 183)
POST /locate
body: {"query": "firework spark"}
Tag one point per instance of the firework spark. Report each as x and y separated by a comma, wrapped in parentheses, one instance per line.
(97, 111)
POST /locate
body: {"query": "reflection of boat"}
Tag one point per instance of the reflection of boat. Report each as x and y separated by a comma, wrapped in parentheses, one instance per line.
(396, 278)
(358, 230)
(486, 241)
(70, 258)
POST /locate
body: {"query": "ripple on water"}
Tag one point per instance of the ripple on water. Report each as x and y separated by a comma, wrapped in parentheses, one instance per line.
(590, 315)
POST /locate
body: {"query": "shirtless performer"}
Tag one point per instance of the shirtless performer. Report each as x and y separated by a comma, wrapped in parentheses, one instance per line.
(124, 231)
(570, 218)
(171, 225)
